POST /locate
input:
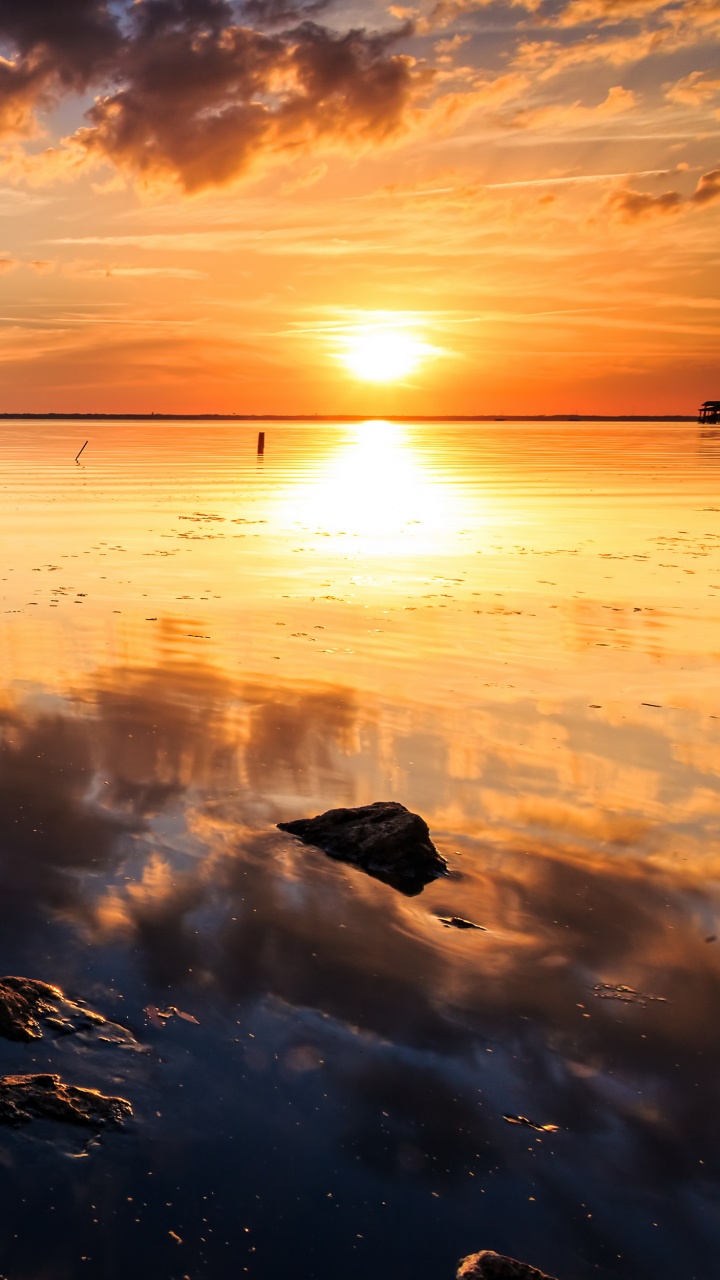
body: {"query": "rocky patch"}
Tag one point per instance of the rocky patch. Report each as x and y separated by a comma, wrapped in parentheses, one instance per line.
(28, 1006)
(487, 1265)
(47, 1097)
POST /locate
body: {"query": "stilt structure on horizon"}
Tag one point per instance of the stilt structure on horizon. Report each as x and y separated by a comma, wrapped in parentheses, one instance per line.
(710, 412)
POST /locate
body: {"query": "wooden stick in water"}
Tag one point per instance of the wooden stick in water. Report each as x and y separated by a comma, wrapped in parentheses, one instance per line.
(78, 455)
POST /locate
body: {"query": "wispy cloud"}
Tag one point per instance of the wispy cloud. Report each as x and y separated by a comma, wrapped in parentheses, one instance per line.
(695, 89)
(575, 115)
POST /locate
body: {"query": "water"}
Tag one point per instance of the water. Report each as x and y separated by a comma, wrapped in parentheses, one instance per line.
(511, 628)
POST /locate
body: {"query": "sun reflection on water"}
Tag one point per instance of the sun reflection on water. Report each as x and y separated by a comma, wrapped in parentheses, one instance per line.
(377, 488)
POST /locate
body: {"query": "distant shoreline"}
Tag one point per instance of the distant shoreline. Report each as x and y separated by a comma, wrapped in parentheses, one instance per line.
(344, 417)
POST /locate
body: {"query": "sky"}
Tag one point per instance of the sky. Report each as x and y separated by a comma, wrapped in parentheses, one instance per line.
(333, 207)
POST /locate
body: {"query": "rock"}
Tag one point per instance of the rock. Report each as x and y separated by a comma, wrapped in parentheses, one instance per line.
(25, 1003)
(384, 839)
(495, 1266)
(22, 1002)
(47, 1097)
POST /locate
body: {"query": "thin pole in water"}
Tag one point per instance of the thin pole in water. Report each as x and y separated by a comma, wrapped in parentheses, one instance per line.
(78, 455)
(261, 442)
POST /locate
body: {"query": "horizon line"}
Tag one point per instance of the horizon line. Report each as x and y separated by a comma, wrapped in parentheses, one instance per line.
(348, 417)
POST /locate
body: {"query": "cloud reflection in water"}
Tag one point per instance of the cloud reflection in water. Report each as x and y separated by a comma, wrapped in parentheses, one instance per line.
(137, 821)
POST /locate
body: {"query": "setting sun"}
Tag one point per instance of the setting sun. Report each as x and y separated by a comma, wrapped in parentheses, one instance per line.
(382, 355)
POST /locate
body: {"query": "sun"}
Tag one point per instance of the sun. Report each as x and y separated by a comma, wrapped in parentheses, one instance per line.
(384, 355)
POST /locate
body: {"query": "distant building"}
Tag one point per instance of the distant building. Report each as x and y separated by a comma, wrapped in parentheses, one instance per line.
(710, 412)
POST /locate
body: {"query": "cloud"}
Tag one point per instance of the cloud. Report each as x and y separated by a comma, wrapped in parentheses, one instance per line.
(708, 188)
(199, 93)
(56, 49)
(696, 22)
(304, 180)
(22, 89)
(445, 12)
(631, 206)
(547, 58)
(168, 273)
(606, 13)
(70, 42)
(634, 206)
(450, 46)
(273, 13)
(574, 114)
(201, 106)
(190, 93)
(693, 90)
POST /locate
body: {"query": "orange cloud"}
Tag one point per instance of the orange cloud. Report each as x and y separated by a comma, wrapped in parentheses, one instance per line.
(446, 12)
(574, 114)
(677, 28)
(693, 90)
(606, 13)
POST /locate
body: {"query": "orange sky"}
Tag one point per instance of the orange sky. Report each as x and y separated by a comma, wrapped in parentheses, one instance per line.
(207, 206)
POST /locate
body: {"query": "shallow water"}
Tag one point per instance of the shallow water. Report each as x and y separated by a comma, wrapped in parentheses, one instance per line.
(511, 628)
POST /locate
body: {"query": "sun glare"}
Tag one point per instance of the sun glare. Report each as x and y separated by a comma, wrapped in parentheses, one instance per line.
(382, 355)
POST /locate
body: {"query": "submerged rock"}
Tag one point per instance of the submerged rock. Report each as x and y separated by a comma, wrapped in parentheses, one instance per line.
(47, 1097)
(627, 995)
(487, 1265)
(530, 1124)
(384, 839)
(459, 922)
(25, 1003)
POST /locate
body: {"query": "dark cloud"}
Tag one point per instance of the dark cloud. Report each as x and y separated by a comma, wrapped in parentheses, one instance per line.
(633, 206)
(53, 834)
(275, 13)
(21, 90)
(157, 17)
(72, 42)
(200, 102)
(192, 91)
(51, 50)
(708, 188)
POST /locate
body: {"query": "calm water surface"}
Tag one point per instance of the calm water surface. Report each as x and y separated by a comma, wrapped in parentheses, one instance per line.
(511, 628)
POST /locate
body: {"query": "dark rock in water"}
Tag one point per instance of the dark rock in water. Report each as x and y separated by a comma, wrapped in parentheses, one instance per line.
(495, 1266)
(384, 839)
(457, 922)
(47, 1097)
(25, 1003)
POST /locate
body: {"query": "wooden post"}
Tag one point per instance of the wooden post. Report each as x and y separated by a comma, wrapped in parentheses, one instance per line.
(261, 442)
